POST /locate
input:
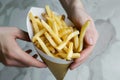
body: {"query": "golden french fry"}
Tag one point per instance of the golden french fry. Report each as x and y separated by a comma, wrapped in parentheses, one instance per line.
(48, 11)
(75, 55)
(48, 28)
(63, 44)
(50, 22)
(51, 42)
(39, 23)
(76, 42)
(34, 24)
(64, 24)
(55, 28)
(49, 38)
(64, 31)
(38, 34)
(82, 33)
(53, 25)
(61, 55)
(70, 51)
(64, 37)
(44, 39)
(52, 50)
(44, 47)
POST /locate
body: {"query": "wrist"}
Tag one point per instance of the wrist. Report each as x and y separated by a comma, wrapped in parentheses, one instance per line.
(71, 5)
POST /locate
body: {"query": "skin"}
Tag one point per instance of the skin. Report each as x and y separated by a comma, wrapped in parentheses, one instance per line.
(12, 55)
(10, 52)
(77, 14)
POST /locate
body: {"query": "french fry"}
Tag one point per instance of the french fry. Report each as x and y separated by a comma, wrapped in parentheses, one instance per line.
(64, 24)
(61, 55)
(75, 55)
(52, 49)
(49, 38)
(64, 37)
(70, 51)
(48, 10)
(82, 33)
(49, 21)
(63, 44)
(55, 28)
(39, 23)
(34, 24)
(38, 34)
(64, 31)
(56, 38)
(46, 50)
(58, 21)
(48, 28)
(76, 42)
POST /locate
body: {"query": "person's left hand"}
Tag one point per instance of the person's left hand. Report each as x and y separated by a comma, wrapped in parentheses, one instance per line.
(78, 16)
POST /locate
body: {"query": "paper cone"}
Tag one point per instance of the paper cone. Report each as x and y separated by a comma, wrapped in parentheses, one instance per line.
(58, 70)
(57, 66)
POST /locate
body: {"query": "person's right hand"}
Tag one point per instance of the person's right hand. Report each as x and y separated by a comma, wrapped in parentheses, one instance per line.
(77, 14)
(11, 54)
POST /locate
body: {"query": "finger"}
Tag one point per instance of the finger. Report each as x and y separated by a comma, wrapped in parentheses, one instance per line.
(35, 56)
(91, 34)
(28, 51)
(84, 54)
(25, 58)
(13, 62)
(30, 61)
(17, 64)
(23, 35)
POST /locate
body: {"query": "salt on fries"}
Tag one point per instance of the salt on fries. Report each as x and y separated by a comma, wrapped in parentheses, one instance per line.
(55, 38)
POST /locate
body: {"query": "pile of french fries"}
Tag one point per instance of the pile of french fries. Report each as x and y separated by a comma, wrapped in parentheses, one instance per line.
(56, 38)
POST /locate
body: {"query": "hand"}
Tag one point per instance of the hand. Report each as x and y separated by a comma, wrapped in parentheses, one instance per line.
(11, 54)
(78, 16)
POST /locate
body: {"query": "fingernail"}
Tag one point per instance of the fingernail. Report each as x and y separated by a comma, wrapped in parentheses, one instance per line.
(29, 51)
(35, 55)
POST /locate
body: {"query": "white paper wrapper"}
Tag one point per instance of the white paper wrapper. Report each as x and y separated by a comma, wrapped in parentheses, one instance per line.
(57, 66)
(37, 12)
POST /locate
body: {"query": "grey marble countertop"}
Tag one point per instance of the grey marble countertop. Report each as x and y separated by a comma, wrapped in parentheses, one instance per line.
(103, 63)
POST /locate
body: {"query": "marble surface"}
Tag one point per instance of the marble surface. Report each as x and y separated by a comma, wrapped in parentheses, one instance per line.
(103, 63)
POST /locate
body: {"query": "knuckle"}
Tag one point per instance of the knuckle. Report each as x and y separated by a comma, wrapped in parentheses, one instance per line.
(10, 55)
